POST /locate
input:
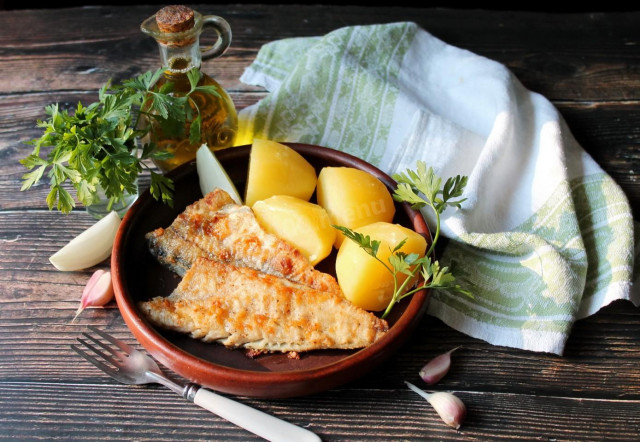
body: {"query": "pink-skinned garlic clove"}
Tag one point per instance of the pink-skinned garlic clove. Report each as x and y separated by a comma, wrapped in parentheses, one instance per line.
(437, 368)
(97, 292)
(449, 407)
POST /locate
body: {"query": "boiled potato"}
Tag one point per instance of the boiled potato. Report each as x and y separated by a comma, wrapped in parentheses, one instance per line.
(353, 198)
(304, 225)
(365, 281)
(276, 169)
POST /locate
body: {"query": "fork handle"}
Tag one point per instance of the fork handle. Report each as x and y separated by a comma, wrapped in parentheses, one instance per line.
(255, 421)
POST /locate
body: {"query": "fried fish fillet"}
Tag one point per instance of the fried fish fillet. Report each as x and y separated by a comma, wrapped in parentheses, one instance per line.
(243, 307)
(216, 227)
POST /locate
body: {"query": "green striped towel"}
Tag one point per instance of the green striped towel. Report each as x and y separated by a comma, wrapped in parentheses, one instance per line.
(545, 237)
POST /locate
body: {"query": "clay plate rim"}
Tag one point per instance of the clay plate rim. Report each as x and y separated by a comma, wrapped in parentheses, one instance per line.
(275, 384)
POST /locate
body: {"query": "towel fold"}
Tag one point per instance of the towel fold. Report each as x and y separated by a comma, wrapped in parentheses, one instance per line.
(545, 236)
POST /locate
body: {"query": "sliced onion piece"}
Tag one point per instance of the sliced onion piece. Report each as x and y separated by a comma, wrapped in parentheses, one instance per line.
(211, 174)
(90, 247)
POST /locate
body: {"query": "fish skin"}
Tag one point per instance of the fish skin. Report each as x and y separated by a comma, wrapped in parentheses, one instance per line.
(216, 227)
(175, 251)
(243, 307)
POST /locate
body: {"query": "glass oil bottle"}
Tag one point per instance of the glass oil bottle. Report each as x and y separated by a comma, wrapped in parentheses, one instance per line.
(177, 30)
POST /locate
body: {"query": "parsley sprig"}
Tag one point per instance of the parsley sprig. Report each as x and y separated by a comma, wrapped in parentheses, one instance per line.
(100, 145)
(420, 188)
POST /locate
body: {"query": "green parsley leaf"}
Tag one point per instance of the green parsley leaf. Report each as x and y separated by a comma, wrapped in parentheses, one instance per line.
(209, 89)
(364, 241)
(194, 77)
(161, 186)
(194, 130)
(98, 144)
(30, 178)
(422, 188)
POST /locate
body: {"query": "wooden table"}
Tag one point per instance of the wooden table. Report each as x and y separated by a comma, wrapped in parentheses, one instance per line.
(587, 64)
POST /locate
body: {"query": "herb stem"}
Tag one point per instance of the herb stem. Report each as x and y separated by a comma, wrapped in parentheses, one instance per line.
(437, 234)
(397, 292)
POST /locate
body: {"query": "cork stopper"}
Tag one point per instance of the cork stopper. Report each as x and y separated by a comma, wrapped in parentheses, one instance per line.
(175, 18)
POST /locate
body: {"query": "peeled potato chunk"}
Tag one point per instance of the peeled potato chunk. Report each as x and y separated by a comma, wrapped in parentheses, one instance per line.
(304, 225)
(365, 281)
(277, 169)
(353, 198)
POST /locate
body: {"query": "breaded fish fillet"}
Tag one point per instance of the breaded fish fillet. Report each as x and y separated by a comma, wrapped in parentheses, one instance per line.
(242, 307)
(217, 228)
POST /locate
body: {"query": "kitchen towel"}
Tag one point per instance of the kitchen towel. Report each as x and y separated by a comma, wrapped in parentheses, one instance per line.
(545, 236)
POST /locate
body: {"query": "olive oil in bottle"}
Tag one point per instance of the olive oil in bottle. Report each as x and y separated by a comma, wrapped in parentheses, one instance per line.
(177, 30)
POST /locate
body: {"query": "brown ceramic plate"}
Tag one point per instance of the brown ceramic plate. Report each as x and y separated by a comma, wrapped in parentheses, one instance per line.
(137, 276)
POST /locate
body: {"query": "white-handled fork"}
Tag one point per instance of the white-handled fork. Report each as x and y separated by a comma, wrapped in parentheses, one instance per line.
(130, 366)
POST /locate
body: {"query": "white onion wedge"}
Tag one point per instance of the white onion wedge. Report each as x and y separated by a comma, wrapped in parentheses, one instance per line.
(211, 174)
(90, 247)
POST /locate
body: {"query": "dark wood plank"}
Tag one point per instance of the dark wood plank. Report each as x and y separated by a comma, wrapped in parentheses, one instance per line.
(39, 410)
(583, 56)
(608, 132)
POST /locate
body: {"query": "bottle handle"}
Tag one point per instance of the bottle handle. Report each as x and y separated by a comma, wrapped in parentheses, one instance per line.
(223, 30)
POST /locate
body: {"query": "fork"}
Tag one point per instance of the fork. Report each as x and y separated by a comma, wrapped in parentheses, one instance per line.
(130, 366)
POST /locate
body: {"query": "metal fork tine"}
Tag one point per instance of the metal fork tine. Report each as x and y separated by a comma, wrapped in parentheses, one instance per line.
(104, 367)
(106, 357)
(114, 351)
(120, 344)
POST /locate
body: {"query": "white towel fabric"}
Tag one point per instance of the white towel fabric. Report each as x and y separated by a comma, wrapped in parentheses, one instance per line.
(545, 236)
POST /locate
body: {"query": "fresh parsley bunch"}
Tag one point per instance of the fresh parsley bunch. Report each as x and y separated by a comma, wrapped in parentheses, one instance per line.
(100, 145)
(420, 188)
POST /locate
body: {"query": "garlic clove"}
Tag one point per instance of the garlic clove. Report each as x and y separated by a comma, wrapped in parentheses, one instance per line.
(97, 292)
(92, 281)
(437, 368)
(449, 407)
(102, 292)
